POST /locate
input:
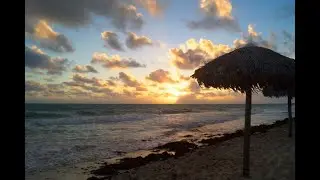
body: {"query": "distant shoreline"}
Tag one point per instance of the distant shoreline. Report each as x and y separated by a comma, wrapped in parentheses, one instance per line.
(152, 104)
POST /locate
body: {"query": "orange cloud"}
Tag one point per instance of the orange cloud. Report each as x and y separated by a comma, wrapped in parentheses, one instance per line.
(193, 53)
(160, 76)
(221, 8)
(218, 14)
(152, 6)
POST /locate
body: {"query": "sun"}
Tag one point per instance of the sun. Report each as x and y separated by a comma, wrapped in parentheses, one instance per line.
(174, 91)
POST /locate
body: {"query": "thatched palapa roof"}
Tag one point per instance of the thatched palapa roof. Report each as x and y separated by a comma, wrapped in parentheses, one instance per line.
(248, 67)
(270, 92)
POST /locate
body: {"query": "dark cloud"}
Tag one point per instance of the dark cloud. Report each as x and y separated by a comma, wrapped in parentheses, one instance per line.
(84, 69)
(115, 61)
(160, 76)
(59, 44)
(128, 80)
(114, 78)
(36, 59)
(77, 13)
(33, 86)
(82, 79)
(43, 34)
(93, 85)
(93, 81)
(134, 41)
(111, 83)
(214, 23)
(75, 84)
(111, 39)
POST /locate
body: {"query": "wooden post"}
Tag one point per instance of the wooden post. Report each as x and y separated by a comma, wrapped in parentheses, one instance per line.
(246, 144)
(290, 115)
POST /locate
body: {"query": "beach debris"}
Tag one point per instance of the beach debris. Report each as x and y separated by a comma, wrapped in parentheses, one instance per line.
(179, 148)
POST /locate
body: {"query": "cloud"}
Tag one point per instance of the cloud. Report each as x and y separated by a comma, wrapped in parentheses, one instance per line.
(141, 88)
(160, 76)
(130, 93)
(134, 41)
(33, 86)
(194, 54)
(152, 6)
(218, 15)
(187, 60)
(48, 38)
(93, 81)
(193, 87)
(49, 79)
(95, 89)
(289, 43)
(111, 83)
(184, 78)
(256, 38)
(114, 61)
(93, 84)
(111, 39)
(36, 59)
(75, 84)
(84, 69)
(128, 80)
(79, 13)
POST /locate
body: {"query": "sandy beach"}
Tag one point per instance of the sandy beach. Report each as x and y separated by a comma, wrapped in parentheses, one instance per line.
(272, 157)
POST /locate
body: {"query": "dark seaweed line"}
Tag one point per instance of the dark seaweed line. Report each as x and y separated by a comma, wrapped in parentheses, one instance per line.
(178, 147)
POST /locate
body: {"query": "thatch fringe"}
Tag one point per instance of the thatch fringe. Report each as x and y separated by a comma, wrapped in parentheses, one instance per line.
(248, 67)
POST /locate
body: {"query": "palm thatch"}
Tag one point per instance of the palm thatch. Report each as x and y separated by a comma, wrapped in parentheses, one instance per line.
(244, 70)
(247, 67)
(271, 92)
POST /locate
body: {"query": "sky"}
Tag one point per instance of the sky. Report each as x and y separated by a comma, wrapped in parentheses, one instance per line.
(144, 51)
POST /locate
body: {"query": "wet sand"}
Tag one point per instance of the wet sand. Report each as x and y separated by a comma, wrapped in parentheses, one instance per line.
(272, 157)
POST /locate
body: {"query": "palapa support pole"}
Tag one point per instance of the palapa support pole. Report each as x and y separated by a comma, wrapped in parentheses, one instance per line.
(290, 115)
(246, 144)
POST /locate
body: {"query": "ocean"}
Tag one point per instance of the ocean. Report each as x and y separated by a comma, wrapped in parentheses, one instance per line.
(58, 135)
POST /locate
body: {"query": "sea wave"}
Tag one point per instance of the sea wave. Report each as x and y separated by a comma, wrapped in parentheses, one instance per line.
(175, 111)
(39, 115)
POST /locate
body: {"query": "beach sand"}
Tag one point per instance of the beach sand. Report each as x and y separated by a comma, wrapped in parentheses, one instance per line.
(272, 157)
